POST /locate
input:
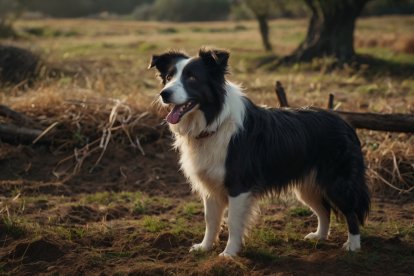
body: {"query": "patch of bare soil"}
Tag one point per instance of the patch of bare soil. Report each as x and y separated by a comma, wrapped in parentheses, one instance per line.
(71, 225)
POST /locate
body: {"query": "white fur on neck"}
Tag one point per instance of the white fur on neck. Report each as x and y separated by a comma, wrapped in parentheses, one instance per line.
(203, 160)
(233, 108)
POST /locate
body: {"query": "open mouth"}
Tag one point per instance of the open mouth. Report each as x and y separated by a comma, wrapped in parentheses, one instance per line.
(179, 111)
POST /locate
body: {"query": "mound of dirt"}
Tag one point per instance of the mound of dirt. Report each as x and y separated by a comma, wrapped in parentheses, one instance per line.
(169, 241)
(83, 214)
(18, 65)
(116, 212)
(80, 215)
(222, 266)
(151, 269)
(43, 250)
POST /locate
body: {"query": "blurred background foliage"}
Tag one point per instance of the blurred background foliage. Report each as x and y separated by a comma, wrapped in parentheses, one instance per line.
(179, 10)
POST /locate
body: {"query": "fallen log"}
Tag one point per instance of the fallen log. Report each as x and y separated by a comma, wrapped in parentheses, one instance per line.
(380, 122)
(16, 135)
(372, 121)
(7, 112)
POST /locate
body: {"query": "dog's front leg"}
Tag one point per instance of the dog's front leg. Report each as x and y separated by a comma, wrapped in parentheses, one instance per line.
(240, 208)
(213, 215)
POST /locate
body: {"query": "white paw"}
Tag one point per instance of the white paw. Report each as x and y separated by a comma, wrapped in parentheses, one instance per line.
(353, 243)
(351, 246)
(314, 236)
(199, 247)
(226, 254)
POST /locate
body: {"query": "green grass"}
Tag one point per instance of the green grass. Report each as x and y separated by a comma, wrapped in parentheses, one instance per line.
(262, 255)
(140, 206)
(153, 224)
(2, 267)
(300, 212)
(147, 47)
(99, 258)
(113, 255)
(137, 202)
(169, 30)
(69, 233)
(266, 235)
(182, 226)
(191, 208)
(102, 198)
(13, 227)
(47, 32)
(388, 55)
(107, 198)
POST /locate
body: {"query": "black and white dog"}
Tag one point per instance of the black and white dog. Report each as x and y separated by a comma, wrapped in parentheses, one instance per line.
(234, 152)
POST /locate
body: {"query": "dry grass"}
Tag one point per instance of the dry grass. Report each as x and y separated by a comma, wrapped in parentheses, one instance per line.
(399, 44)
(81, 193)
(391, 166)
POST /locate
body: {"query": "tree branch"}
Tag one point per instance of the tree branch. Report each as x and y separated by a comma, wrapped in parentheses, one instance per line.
(371, 121)
(281, 95)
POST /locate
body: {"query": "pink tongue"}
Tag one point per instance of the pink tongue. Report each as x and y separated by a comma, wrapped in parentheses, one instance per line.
(174, 116)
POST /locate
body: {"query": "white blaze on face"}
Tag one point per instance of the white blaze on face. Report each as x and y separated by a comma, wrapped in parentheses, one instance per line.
(179, 95)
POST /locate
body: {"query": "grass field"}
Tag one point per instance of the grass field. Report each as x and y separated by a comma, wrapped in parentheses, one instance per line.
(77, 208)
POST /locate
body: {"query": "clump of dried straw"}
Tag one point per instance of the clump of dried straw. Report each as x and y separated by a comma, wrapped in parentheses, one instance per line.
(391, 167)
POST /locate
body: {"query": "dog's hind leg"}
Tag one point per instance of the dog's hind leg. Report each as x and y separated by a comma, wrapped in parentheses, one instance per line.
(239, 216)
(213, 215)
(352, 198)
(314, 200)
(354, 239)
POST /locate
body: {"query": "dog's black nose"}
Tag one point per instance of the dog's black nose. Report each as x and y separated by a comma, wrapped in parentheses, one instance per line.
(166, 95)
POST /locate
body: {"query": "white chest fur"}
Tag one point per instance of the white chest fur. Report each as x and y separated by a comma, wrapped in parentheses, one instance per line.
(203, 160)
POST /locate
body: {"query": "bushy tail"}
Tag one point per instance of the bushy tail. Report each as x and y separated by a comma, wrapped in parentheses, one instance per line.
(363, 203)
(350, 198)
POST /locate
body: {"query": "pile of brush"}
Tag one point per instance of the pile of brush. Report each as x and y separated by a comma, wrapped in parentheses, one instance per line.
(81, 128)
(390, 165)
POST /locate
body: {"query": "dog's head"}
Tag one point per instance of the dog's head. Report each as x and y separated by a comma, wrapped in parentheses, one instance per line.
(194, 87)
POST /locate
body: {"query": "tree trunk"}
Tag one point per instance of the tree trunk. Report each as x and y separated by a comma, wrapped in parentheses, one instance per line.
(261, 10)
(264, 31)
(330, 31)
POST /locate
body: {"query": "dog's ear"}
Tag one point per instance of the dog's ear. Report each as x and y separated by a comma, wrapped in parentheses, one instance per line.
(154, 60)
(164, 61)
(215, 57)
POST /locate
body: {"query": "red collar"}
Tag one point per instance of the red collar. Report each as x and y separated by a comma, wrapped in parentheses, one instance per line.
(205, 134)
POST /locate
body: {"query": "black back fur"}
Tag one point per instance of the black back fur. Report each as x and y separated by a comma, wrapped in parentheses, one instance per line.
(282, 146)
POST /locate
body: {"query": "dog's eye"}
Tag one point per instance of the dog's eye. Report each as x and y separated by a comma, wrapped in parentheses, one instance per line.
(169, 77)
(191, 77)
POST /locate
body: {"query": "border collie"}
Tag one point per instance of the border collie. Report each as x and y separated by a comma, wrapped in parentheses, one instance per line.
(233, 152)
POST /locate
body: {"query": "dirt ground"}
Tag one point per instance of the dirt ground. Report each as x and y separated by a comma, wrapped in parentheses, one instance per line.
(139, 217)
(73, 207)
